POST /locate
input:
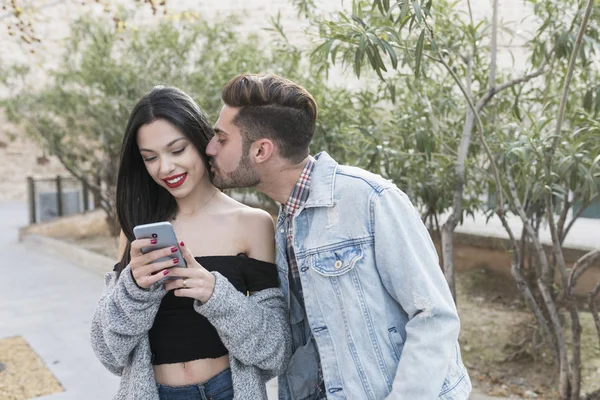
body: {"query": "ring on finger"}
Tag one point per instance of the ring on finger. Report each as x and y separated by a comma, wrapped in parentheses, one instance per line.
(185, 283)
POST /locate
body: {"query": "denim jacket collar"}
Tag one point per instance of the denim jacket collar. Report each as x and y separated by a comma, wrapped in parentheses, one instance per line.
(322, 181)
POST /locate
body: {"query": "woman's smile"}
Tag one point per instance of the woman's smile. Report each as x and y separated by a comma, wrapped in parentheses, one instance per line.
(175, 180)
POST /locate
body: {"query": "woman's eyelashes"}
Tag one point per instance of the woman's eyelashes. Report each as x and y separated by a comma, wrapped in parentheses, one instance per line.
(149, 159)
(174, 152)
(179, 151)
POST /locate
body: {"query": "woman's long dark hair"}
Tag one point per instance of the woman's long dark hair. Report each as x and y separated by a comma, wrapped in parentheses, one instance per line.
(140, 200)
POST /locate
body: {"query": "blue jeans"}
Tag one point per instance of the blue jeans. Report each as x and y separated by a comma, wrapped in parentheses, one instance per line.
(219, 387)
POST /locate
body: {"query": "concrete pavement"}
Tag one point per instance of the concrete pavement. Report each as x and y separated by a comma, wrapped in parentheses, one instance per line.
(50, 303)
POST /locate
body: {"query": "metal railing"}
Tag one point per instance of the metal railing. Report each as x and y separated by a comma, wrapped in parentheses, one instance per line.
(51, 198)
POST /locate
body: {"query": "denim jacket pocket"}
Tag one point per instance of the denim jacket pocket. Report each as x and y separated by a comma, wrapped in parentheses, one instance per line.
(396, 341)
(337, 262)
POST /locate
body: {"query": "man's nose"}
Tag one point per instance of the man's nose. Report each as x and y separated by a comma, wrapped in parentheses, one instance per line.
(211, 148)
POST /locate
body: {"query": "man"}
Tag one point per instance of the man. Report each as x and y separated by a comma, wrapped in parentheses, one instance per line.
(372, 316)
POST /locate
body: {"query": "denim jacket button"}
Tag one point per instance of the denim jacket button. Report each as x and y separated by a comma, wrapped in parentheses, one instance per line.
(338, 264)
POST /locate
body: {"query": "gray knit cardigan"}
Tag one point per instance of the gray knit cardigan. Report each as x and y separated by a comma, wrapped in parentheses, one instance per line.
(254, 329)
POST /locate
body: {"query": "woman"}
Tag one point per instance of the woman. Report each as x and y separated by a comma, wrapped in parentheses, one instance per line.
(219, 328)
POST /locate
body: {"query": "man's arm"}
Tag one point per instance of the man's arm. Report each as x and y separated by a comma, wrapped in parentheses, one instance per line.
(409, 267)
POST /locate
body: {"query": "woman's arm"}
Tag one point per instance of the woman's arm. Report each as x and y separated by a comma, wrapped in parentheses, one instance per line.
(123, 316)
(255, 328)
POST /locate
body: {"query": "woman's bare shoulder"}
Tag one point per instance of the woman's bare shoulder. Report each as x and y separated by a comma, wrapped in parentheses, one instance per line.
(256, 228)
(246, 214)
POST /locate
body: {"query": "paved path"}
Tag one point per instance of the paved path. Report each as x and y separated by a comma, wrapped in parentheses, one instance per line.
(50, 302)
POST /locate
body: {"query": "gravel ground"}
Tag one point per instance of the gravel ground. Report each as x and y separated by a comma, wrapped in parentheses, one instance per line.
(24, 375)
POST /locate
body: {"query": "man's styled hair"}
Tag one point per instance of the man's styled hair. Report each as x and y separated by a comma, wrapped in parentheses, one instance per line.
(275, 108)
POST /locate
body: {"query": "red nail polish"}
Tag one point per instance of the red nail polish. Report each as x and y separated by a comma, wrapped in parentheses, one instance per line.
(153, 241)
(173, 249)
(175, 260)
(165, 272)
(181, 243)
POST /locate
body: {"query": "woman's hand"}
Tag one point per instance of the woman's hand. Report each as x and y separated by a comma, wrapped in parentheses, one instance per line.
(144, 272)
(194, 281)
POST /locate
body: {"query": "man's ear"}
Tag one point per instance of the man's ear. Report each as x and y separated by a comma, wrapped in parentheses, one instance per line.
(262, 150)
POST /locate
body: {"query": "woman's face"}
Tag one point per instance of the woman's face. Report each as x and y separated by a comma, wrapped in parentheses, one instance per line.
(170, 158)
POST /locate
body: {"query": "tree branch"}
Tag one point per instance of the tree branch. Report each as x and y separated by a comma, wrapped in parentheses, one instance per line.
(582, 265)
(578, 214)
(494, 91)
(570, 70)
(594, 308)
(575, 370)
(563, 216)
(30, 9)
(544, 290)
(517, 272)
(492, 77)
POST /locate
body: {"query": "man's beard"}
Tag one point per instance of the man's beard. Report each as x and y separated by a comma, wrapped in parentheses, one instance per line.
(243, 176)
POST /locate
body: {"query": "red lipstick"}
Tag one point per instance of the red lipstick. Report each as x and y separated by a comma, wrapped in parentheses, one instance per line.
(175, 181)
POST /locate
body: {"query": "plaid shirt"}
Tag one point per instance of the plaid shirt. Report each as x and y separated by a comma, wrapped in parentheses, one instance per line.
(295, 202)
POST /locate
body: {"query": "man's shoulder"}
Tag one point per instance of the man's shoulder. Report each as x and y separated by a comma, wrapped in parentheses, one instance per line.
(355, 178)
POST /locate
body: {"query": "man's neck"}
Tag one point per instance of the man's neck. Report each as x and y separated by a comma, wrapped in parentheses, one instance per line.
(280, 181)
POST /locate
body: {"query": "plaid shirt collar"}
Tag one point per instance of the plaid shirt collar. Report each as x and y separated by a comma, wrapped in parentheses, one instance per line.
(300, 193)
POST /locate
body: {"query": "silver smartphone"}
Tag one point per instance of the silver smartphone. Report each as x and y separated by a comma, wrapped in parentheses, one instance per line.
(165, 237)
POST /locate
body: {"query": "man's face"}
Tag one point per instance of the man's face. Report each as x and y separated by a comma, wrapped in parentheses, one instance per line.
(231, 164)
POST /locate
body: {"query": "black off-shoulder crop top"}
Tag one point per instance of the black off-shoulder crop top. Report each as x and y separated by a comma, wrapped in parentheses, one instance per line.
(180, 334)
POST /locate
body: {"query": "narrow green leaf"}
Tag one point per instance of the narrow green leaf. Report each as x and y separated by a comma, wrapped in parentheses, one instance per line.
(418, 12)
(392, 53)
(374, 39)
(379, 6)
(434, 46)
(371, 59)
(427, 8)
(359, 56)
(375, 64)
(392, 33)
(404, 11)
(411, 24)
(386, 5)
(419, 53)
(359, 20)
(392, 88)
(357, 64)
(334, 53)
(597, 108)
(361, 46)
(378, 59)
(397, 5)
(588, 101)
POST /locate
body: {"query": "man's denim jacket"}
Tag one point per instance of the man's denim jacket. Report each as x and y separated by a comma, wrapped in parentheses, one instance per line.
(378, 305)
